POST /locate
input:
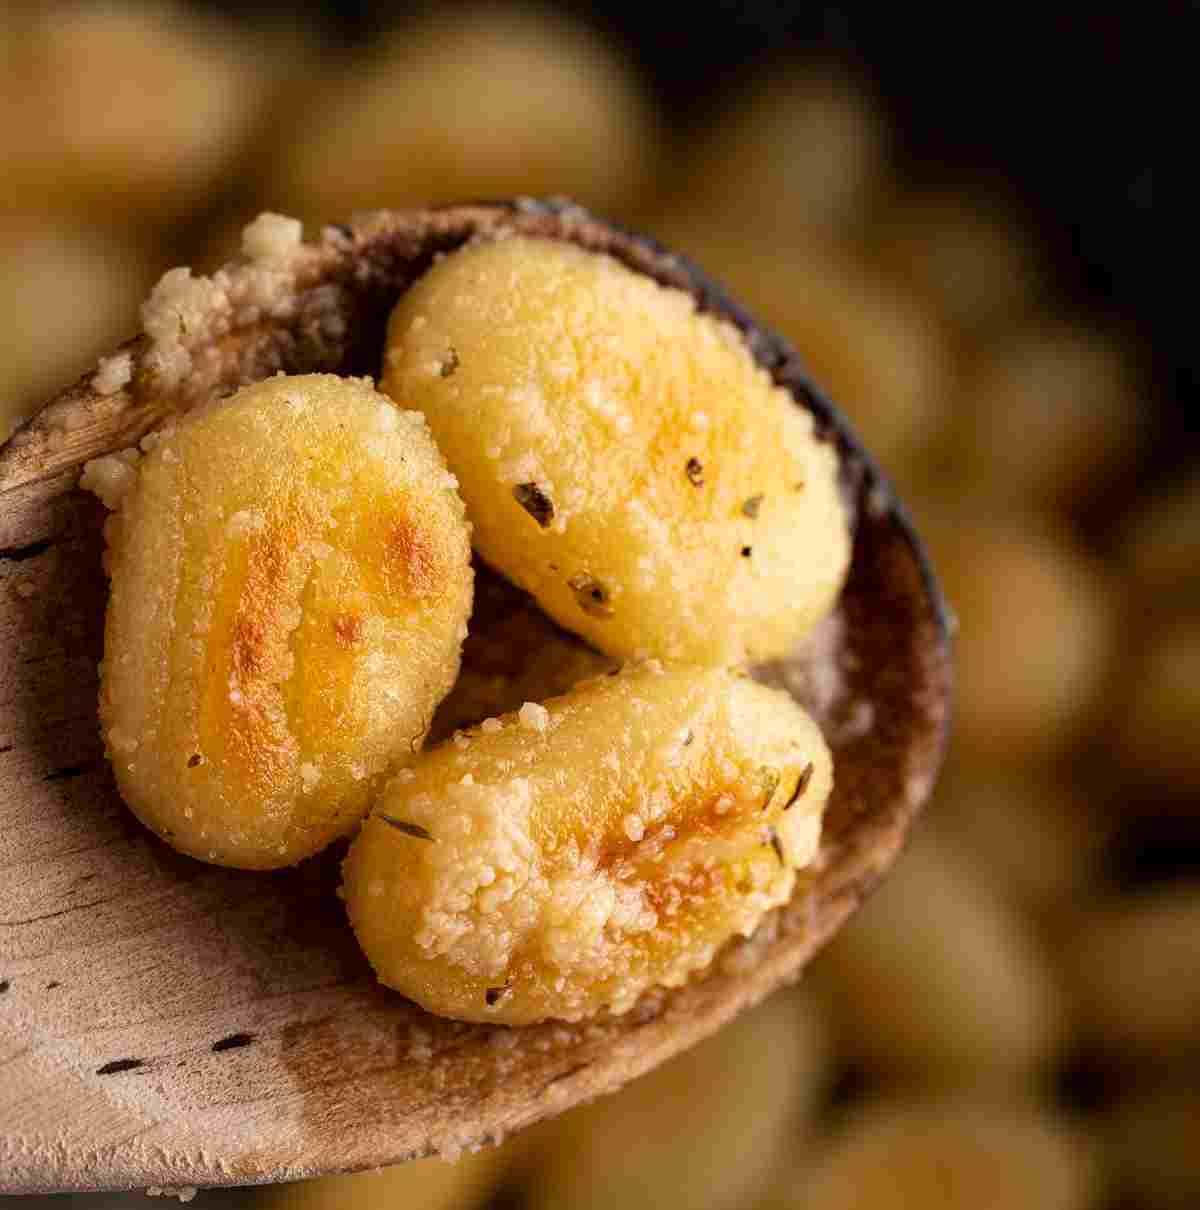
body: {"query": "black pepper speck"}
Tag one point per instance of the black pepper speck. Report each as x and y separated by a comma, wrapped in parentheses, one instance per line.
(535, 502)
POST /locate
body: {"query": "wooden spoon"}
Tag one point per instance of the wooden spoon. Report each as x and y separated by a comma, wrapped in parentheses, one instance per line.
(164, 1022)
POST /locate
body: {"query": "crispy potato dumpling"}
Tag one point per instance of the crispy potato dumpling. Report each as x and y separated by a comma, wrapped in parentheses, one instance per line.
(563, 114)
(1035, 638)
(1157, 713)
(567, 858)
(621, 455)
(804, 148)
(128, 109)
(940, 981)
(291, 581)
(751, 1091)
(513, 654)
(1134, 972)
(428, 1184)
(945, 1155)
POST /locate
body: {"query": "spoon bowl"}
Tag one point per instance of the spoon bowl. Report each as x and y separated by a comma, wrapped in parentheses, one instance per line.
(168, 1023)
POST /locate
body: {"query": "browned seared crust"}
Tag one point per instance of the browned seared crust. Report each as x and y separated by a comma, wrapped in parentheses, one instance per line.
(167, 1023)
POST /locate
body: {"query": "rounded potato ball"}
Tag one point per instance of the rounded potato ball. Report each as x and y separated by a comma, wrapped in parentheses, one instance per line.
(750, 1091)
(938, 980)
(567, 858)
(126, 108)
(1155, 729)
(481, 101)
(1035, 638)
(469, 1182)
(945, 1155)
(621, 455)
(291, 581)
(803, 149)
(1133, 969)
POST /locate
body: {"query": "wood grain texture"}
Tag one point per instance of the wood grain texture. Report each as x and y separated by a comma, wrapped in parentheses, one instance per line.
(164, 1022)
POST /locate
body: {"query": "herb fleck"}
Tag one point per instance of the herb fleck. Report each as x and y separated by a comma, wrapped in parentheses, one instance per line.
(688, 737)
(695, 472)
(746, 551)
(232, 1042)
(776, 844)
(494, 995)
(195, 760)
(535, 502)
(771, 784)
(409, 829)
(593, 597)
(801, 785)
(751, 506)
(119, 1065)
(450, 363)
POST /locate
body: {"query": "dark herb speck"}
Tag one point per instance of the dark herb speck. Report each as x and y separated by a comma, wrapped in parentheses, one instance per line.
(119, 1065)
(751, 506)
(776, 844)
(694, 472)
(535, 502)
(771, 784)
(409, 829)
(592, 596)
(801, 785)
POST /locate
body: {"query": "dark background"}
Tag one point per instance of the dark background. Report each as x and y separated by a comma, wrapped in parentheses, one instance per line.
(1080, 114)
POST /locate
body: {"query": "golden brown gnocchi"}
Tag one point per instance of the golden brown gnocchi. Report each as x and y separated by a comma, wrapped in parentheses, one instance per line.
(566, 858)
(291, 581)
(622, 456)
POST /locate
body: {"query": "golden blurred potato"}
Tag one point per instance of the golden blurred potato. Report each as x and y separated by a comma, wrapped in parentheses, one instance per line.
(622, 456)
(705, 1131)
(1159, 710)
(802, 148)
(67, 294)
(484, 102)
(877, 350)
(432, 1184)
(939, 980)
(569, 857)
(290, 586)
(1035, 634)
(513, 654)
(1152, 1139)
(1034, 836)
(945, 1155)
(975, 259)
(1134, 971)
(1050, 416)
(124, 109)
(1159, 543)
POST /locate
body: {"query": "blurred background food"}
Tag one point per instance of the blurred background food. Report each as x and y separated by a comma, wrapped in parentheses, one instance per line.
(976, 254)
